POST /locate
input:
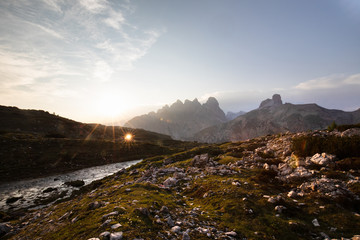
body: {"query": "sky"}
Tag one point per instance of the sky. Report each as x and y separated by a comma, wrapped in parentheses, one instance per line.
(107, 61)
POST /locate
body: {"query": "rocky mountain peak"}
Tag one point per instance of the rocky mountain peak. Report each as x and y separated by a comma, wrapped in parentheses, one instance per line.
(275, 101)
(177, 104)
(212, 103)
(182, 119)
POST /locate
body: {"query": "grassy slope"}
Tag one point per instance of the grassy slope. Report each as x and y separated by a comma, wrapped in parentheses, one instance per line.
(226, 208)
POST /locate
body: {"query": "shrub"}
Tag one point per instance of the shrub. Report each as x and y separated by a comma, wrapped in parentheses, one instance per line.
(332, 127)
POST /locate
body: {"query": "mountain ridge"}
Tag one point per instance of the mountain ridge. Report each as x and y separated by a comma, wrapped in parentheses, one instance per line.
(276, 118)
(181, 120)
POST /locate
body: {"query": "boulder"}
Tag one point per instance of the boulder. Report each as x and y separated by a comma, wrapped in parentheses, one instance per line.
(176, 229)
(116, 236)
(200, 160)
(292, 194)
(322, 159)
(315, 222)
(170, 182)
(351, 132)
(116, 226)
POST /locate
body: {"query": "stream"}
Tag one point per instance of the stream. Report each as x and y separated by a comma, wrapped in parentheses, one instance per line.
(29, 193)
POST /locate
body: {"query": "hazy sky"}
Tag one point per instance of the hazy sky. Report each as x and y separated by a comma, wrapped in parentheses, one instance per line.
(93, 60)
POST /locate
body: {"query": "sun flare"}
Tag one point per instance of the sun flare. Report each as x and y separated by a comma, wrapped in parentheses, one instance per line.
(128, 137)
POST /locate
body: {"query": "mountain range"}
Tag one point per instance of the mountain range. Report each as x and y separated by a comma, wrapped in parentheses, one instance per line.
(181, 120)
(208, 123)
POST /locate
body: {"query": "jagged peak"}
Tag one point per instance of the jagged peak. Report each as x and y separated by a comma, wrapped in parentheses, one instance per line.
(274, 101)
(187, 101)
(177, 103)
(212, 102)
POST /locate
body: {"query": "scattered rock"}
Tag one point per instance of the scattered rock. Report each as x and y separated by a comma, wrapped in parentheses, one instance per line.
(116, 236)
(236, 183)
(200, 160)
(107, 222)
(74, 219)
(274, 199)
(110, 214)
(186, 236)
(104, 235)
(176, 229)
(170, 182)
(351, 132)
(280, 208)
(231, 234)
(322, 159)
(292, 194)
(170, 222)
(315, 223)
(116, 226)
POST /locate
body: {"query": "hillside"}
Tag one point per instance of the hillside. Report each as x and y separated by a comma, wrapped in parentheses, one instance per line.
(35, 143)
(44, 124)
(181, 120)
(273, 187)
(272, 118)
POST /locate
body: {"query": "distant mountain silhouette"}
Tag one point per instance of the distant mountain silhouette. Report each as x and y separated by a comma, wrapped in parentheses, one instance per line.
(181, 120)
(231, 115)
(272, 117)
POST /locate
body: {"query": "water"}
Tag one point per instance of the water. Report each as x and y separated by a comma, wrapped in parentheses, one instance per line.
(30, 191)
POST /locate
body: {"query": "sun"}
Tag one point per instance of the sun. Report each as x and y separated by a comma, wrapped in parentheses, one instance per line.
(128, 137)
(110, 105)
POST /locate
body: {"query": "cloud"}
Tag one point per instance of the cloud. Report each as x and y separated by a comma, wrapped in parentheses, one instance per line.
(353, 79)
(115, 20)
(94, 6)
(329, 82)
(77, 41)
(336, 91)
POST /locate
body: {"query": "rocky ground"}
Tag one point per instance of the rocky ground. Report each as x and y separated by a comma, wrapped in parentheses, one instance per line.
(290, 186)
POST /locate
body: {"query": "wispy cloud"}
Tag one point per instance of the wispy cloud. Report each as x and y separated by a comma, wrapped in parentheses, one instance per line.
(94, 6)
(329, 82)
(86, 40)
(115, 20)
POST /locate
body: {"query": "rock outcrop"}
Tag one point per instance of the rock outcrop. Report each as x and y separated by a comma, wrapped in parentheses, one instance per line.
(275, 101)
